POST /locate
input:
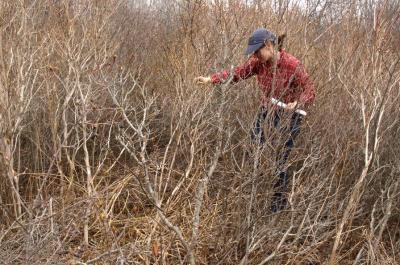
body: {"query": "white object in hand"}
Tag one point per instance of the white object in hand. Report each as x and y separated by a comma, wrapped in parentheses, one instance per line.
(284, 105)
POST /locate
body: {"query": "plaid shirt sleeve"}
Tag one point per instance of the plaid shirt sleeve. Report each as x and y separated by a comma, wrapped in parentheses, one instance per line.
(244, 71)
(303, 80)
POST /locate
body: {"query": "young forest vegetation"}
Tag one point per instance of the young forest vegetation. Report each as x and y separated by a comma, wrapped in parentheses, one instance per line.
(111, 154)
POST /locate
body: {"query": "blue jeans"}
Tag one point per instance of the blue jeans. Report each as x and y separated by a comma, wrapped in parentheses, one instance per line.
(289, 134)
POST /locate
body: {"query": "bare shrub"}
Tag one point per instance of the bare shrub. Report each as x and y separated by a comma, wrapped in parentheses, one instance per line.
(109, 154)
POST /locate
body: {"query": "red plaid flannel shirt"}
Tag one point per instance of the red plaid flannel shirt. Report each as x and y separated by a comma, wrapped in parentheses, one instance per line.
(289, 83)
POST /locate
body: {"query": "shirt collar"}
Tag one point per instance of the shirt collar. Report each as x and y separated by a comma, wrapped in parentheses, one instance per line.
(281, 59)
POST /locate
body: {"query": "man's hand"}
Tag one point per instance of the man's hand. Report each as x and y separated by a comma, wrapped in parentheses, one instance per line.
(202, 80)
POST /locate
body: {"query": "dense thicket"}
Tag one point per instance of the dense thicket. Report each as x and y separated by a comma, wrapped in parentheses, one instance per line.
(109, 154)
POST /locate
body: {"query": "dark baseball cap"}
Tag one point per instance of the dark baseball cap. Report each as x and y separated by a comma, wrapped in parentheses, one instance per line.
(258, 39)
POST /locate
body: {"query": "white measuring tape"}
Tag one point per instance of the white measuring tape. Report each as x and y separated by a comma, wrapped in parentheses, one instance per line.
(284, 105)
